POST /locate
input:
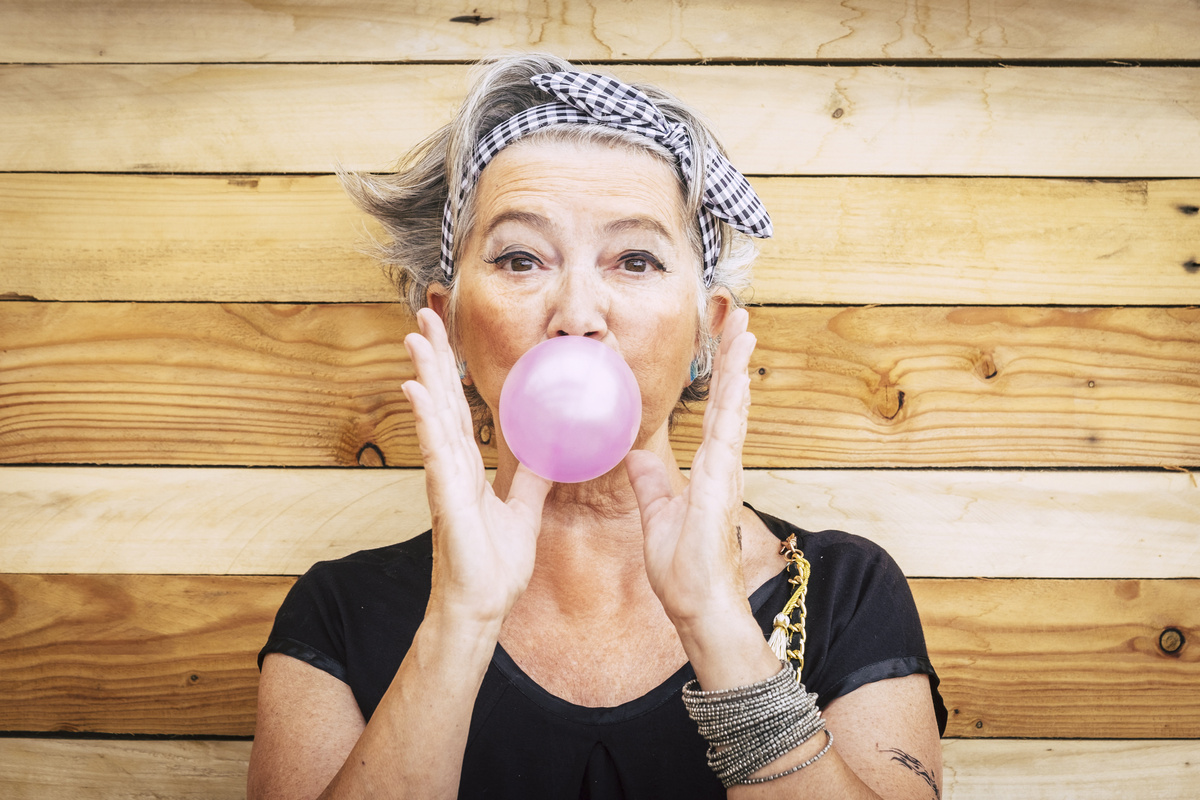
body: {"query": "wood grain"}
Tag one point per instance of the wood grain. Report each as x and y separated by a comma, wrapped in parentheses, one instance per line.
(133, 653)
(943, 386)
(176, 654)
(372, 30)
(280, 521)
(850, 387)
(163, 237)
(1035, 658)
(1084, 770)
(787, 120)
(976, 769)
(837, 240)
(194, 384)
(70, 769)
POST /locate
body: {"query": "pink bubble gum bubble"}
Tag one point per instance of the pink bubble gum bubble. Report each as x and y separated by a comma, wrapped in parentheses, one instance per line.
(570, 409)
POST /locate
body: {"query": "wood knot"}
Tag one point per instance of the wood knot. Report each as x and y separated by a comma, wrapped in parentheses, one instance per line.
(371, 456)
(1171, 641)
(985, 367)
(889, 402)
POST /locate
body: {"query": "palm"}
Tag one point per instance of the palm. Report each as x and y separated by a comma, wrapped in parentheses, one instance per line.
(483, 546)
(691, 545)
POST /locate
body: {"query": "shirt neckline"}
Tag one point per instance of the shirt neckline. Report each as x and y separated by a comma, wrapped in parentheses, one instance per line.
(631, 709)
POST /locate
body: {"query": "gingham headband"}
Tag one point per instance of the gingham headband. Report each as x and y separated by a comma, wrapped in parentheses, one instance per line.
(589, 99)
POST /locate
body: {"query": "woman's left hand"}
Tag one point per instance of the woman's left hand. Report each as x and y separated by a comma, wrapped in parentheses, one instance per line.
(692, 540)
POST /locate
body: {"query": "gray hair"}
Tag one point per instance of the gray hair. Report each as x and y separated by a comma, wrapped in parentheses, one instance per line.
(409, 201)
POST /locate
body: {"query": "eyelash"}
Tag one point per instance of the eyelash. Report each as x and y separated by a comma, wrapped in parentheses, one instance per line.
(508, 258)
(505, 258)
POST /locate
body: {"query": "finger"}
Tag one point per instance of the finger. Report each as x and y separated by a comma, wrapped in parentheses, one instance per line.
(432, 328)
(725, 422)
(438, 369)
(735, 325)
(650, 481)
(731, 360)
(447, 449)
(527, 493)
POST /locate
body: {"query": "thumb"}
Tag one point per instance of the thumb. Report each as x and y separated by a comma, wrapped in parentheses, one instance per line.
(649, 479)
(527, 493)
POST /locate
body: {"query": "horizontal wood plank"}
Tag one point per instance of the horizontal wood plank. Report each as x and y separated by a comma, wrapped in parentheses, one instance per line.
(837, 240)
(775, 120)
(196, 238)
(70, 769)
(280, 521)
(373, 30)
(195, 384)
(1080, 770)
(133, 653)
(57, 769)
(176, 654)
(1036, 658)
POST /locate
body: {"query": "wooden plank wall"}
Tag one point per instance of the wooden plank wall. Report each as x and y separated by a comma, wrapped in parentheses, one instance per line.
(979, 346)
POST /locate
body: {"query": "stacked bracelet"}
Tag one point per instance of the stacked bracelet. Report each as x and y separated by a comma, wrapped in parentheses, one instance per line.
(748, 727)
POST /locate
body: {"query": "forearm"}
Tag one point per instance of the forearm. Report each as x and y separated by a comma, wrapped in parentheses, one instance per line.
(414, 743)
(728, 650)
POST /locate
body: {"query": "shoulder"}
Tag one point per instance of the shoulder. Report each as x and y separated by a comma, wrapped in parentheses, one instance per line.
(846, 554)
(386, 579)
(407, 560)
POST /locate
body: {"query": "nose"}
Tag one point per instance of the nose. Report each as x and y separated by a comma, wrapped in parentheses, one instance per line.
(578, 305)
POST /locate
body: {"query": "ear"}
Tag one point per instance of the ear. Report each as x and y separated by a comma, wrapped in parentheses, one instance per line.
(437, 297)
(719, 306)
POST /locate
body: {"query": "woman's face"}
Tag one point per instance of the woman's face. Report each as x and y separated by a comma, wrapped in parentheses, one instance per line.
(579, 240)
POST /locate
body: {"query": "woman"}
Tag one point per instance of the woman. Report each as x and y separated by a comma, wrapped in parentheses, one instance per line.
(542, 639)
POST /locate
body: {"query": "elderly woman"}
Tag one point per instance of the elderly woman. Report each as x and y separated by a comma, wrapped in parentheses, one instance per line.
(607, 638)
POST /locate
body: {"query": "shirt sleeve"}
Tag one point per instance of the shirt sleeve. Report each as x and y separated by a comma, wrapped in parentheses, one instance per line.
(865, 625)
(304, 626)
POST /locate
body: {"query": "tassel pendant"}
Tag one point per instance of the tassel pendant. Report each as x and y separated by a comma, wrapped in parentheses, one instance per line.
(781, 637)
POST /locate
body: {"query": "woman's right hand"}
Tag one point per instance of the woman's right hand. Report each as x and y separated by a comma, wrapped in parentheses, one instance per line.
(483, 547)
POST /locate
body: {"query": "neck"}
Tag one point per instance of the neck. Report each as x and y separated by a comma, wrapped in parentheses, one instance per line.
(591, 540)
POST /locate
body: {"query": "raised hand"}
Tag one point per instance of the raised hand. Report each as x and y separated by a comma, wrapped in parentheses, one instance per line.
(692, 548)
(483, 547)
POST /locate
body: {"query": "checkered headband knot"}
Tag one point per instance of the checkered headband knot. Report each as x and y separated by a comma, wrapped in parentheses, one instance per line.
(587, 99)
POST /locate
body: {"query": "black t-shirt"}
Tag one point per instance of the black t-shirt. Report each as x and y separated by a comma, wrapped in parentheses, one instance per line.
(356, 617)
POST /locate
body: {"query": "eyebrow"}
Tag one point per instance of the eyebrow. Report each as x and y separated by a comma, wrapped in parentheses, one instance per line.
(638, 224)
(523, 217)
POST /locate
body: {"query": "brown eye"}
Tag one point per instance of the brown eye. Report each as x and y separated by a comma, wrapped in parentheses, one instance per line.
(521, 264)
(640, 263)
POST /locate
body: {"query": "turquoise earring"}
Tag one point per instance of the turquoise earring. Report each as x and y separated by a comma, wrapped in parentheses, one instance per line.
(694, 371)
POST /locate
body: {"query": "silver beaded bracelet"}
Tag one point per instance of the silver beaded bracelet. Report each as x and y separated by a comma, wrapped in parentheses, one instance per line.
(748, 727)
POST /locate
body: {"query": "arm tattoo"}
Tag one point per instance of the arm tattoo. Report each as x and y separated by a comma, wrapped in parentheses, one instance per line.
(911, 763)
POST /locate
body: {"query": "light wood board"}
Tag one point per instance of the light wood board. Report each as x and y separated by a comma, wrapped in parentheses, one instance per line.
(775, 120)
(192, 384)
(176, 654)
(1059, 524)
(362, 30)
(837, 240)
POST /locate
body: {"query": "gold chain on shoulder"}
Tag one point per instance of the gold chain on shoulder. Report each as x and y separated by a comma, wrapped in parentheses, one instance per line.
(783, 629)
